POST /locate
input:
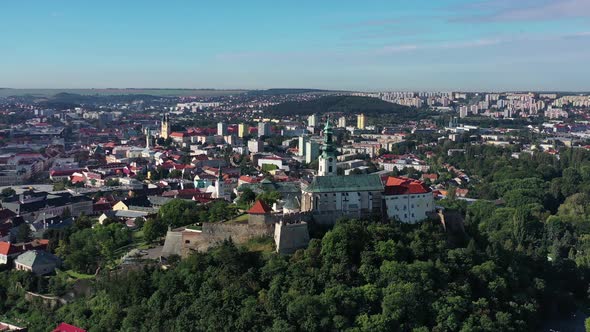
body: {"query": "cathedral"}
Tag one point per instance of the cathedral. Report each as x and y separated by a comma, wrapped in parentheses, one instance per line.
(330, 196)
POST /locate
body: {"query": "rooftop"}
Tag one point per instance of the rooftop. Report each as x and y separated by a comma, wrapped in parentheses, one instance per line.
(363, 182)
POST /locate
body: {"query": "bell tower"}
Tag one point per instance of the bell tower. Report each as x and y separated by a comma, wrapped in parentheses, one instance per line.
(165, 127)
(327, 160)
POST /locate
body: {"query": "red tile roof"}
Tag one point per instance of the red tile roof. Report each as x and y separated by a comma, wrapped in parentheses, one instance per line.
(259, 208)
(64, 327)
(405, 186)
(6, 248)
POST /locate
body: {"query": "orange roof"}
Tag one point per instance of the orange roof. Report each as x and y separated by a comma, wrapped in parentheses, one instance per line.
(404, 186)
(259, 208)
(6, 248)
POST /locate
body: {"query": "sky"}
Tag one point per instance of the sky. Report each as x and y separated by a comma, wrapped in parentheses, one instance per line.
(369, 45)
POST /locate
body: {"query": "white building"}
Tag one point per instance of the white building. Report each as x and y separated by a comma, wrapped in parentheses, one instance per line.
(221, 129)
(407, 200)
(263, 129)
(312, 120)
(255, 146)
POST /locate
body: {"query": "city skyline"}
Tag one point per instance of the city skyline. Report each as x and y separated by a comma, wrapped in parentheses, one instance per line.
(459, 45)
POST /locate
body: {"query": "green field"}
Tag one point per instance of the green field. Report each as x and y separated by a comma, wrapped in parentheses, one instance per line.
(114, 92)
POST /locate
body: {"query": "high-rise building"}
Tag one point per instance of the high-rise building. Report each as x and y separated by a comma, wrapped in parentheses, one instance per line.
(263, 129)
(360, 121)
(312, 151)
(255, 146)
(165, 127)
(342, 122)
(327, 160)
(301, 146)
(221, 129)
(463, 111)
(312, 120)
(241, 130)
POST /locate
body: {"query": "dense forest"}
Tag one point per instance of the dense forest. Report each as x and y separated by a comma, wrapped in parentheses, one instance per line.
(361, 276)
(341, 104)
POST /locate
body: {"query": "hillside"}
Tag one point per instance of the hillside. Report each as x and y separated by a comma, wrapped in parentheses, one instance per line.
(285, 91)
(343, 104)
(40, 93)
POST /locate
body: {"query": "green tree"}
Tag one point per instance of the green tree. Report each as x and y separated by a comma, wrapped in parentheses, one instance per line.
(269, 197)
(7, 192)
(24, 233)
(153, 229)
(178, 212)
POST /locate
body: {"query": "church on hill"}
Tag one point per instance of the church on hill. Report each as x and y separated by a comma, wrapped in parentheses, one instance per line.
(330, 196)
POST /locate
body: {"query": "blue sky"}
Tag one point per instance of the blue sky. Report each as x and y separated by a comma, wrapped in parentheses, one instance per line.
(362, 45)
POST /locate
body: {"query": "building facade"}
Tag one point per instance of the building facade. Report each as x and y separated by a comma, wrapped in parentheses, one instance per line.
(407, 200)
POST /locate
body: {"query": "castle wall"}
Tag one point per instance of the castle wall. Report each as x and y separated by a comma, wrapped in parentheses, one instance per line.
(291, 237)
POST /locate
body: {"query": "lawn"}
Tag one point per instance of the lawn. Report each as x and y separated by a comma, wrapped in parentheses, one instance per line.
(77, 275)
(240, 219)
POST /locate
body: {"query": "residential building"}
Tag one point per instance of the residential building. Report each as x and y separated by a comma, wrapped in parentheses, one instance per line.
(361, 121)
(312, 151)
(312, 120)
(255, 146)
(342, 122)
(221, 129)
(39, 262)
(242, 130)
(263, 129)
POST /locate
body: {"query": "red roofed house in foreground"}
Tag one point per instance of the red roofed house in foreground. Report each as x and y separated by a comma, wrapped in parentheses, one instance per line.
(63, 327)
(407, 200)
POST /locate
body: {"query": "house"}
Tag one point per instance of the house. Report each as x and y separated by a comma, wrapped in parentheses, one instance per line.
(64, 327)
(10, 250)
(38, 262)
(32, 204)
(432, 177)
(407, 200)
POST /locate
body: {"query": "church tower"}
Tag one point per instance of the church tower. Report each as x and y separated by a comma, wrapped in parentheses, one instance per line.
(327, 160)
(165, 128)
(220, 191)
(148, 138)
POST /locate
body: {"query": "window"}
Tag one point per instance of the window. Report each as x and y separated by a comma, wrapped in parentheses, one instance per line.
(187, 241)
(330, 169)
